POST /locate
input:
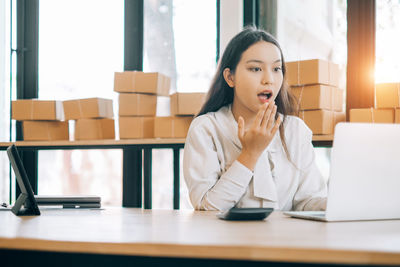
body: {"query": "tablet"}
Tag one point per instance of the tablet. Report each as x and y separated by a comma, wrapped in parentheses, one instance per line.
(245, 214)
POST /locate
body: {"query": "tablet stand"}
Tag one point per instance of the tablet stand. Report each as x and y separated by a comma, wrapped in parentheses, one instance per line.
(22, 206)
(26, 204)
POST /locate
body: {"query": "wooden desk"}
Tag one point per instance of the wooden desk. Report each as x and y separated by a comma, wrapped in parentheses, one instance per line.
(135, 151)
(200, 235)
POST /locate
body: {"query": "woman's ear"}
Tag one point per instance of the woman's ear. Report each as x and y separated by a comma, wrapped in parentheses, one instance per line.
(229, 78)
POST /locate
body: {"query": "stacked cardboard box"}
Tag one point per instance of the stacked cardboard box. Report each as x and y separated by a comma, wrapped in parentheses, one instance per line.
(137, 99)
(186, 104)
(172, 127)
(41, 120)
(315, 85)
(93, 118)
(183, 107)
(387, 106)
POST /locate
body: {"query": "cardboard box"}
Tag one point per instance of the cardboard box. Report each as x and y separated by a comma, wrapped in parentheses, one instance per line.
(186, 103)
(45, 130)
(136, 127)
(33, 109)
(88, 108)
(387, 95)
(319, 97)
(372, 115)
(94, 129)
(397, 115)
(142, 82)
(322, 121)
(137, 104)
(172, 127)
(314, 71)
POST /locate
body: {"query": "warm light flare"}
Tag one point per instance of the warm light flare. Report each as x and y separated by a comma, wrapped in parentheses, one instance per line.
(387, 73)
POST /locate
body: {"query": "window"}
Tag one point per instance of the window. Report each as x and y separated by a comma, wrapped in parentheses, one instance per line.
(179, 41)
(5, 74)
(311, 29)
(80, 48)
(387, 67)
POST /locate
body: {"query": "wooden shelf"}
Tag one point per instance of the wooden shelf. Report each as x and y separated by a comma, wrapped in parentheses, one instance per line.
(322, 140)
(317, 139)
(325, 137)
(96, 143)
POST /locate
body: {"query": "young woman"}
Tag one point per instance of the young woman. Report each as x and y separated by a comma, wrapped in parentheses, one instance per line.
(244, 149)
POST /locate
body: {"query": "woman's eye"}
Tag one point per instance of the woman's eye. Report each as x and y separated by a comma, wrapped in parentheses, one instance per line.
(277, 69)
(255, 69)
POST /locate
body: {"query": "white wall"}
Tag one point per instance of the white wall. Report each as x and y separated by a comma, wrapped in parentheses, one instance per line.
(231, 21)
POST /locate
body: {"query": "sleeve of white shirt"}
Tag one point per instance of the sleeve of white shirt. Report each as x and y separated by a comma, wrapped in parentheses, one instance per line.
(210, 188)
(312, 190)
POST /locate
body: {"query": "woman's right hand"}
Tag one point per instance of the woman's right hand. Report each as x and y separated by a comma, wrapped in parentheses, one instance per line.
(256, 139)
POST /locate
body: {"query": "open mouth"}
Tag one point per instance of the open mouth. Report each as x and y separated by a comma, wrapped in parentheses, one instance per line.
(264, 96)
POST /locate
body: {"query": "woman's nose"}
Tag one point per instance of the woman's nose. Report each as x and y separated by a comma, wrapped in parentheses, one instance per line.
(267, 77)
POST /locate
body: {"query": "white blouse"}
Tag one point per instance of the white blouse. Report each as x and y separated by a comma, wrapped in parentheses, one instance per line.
(217, 181)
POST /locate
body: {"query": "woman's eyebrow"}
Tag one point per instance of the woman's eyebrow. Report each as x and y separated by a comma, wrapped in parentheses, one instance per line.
(255, 61)
(260, 61)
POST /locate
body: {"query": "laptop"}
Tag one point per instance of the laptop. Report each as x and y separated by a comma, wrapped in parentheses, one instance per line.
(364, 181)
(30, 201)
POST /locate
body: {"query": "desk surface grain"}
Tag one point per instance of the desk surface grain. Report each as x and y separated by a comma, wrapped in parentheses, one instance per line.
(194, 234)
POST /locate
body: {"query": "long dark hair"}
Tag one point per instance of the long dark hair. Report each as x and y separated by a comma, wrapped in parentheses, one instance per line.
(220, 94)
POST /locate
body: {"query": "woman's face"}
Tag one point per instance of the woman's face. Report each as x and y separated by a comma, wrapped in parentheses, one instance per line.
(258, 77)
